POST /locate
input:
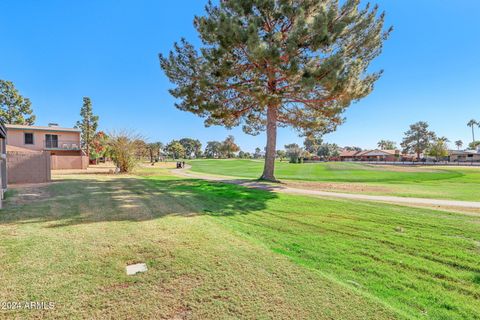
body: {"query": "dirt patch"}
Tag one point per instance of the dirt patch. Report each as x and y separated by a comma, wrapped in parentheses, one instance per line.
(28, 193)
(159, 165)
(118, 286)
(90, 170)
(182, 314)
(345, 187)
(101, 168)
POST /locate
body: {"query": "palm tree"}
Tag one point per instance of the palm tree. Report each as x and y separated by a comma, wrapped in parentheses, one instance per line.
(472, 123)
(386, 145)
(443, 139)
(459, 144)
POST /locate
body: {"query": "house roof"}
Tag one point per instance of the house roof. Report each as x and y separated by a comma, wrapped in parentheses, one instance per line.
(346, 153)
(40, 128)
(391, 151)
(363, 152)
(380, 152)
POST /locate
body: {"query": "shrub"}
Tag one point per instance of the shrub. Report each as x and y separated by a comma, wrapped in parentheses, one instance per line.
(124, 149)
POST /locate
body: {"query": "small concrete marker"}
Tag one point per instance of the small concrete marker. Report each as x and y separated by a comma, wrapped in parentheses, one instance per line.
(133, 269)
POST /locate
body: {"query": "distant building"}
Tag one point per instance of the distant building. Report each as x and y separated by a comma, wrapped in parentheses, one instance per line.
(464, 156)
(348, 155)
(374, 155)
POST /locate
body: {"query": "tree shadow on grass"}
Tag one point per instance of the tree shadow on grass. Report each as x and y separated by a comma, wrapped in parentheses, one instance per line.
(101, 199)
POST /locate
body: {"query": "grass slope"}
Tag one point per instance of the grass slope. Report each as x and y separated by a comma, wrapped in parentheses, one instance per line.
(223, 251)
(72, 246)
(442, 183)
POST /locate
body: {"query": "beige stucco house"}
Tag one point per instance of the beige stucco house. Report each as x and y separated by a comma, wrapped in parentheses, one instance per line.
(62, 144)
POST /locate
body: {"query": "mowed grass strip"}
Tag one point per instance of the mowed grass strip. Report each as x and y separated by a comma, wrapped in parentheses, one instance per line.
(424, 263)
(224, 251)
(72, 243)
(425, 182)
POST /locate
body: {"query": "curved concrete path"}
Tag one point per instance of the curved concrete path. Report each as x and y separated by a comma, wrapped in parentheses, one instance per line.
(351, 196)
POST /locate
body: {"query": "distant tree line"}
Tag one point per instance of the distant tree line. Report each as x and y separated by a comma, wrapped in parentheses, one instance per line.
(418, 140)
(422, 141)
(126, 148)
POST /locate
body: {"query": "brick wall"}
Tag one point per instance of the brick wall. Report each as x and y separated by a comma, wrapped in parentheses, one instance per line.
(28, 167)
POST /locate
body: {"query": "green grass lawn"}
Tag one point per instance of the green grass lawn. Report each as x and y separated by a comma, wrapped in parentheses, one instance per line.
(426, 182)
(224, 251)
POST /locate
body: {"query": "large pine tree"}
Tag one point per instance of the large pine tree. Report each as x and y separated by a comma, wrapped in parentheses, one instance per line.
(270, 63)
(418, 138)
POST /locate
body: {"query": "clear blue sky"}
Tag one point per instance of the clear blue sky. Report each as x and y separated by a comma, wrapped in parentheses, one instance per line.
(58, 51)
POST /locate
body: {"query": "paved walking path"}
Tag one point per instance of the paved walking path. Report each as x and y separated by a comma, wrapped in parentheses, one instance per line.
(284, 189)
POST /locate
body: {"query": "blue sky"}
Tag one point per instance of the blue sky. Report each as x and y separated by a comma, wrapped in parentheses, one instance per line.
(58, 51)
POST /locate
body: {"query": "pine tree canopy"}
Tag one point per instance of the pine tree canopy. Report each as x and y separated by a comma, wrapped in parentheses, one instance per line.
(14, 108)
(309, 58)
(303, 61)
(88, 124)
(418, 138)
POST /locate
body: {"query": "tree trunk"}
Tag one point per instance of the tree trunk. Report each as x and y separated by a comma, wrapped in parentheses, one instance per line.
(473, 136)
(269, 168)
(88, 141)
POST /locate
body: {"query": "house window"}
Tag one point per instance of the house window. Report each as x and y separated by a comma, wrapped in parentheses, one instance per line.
(51, 141)
(28, 138)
